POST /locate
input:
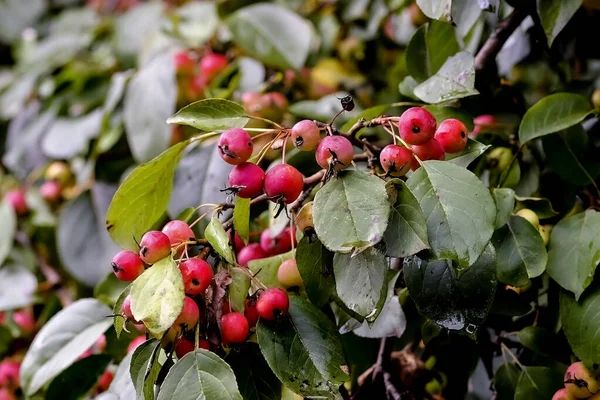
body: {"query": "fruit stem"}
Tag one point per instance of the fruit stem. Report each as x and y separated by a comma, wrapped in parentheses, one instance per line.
(266, 120)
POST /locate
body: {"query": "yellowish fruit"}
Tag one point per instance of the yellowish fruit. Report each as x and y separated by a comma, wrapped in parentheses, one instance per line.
(288, 274)
(579, 381)
(304, 219)
(596, 98)
(499, 158)
(544, 231)
(60, 172)
(519, 290)
(530, 216)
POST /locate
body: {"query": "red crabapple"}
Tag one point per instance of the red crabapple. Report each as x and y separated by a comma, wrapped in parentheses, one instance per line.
(283, 182)
(234, 328)
(197, 275)
(154, 246)
(288, 274)
(127, 265)
(135, 343)
(251, 252)
(189, 315)
(432, 150)
(50, 191)
(6, 394)
(184, 63)
(212, 65)
(579, 381)
(335, 150)
(105, 381)
(272, 303)
(483, 122)
(278, 244)
(247, 180)
(178, 232)
(250, 312)
(9, 374)
(16, 199)
(237, 240)
(235, 146)
(395, 160)
(563, 394)
(25, 320)
(126, 309)
(452, 135)
(306, 135)
(416, 125)
(185, 346)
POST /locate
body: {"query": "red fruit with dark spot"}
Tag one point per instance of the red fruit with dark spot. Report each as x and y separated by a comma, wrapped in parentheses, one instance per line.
(335, 150)
(135, 343)
(234, 328)
(431, 150)
(250, 312)
(272, 303)
(184, 63)
(283, 182)
(212, 65)
(189, 315)
(16, 199)
(251, 252)
(127, 265)
(197, 275)
(247, 179)
(104, 381)
(178, 232)
(395, 160)
(154, 246)
(126, 310)
(579, 381)
(279, 243)
(416, 126)
(51, 191)
(306, 135)
(9, 374)
(452, 135)
(235, 146)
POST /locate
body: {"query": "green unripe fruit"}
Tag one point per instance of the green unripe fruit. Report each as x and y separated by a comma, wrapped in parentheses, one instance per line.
(500, 158)
(529, 216)
(304, 219)
(59, 172)
(544, 231)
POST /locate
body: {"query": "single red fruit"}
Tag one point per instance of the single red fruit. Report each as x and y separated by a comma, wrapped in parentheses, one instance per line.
(247, 179)
(251, 252)
(184, 63)
(51, 191)
(178, 232)
(431, 150)
(16, 199)
(127, 265)
(135, 343)
(579, 381)
(335, 150)
(25, 320)
(272, 303)
(104, 381)
(197, 275)
(452, 135)
(250, 312)
(283, 182)
(126, 309)
(276, 99)
(9, 374)
(395, 160)
(306, 135)
(154, 246)
(278, 244)
(234, 328)
(212, 65)
(189, 316)
(239, 243)
(416, 125)
(185, 346)
(235, 146)
(563, 394)
(288, 274)
(6, 394)
(482, 122)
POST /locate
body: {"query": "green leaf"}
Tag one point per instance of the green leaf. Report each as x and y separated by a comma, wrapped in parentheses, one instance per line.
(574, 251)
(144, 368)
(273, 34)
(17, 287)
(149, 100)
(266, 269)
(444, 112)
(217, 237)
(505, 203)
(580, 325)
(134, 27)
(238, 288)
(454, 80)
(455, 303)
(538, 383)
(459, 209)
(369, 113)
(9, 226)
(437, 9)
(198, 22)
(544, 342)
(541, 206)
(429, 48)
(360, 279)
(552, 114)
(211, 115)
(521, 252)
(407, 87)
(406, 233)
(109, 290)
(241, 218)
(72, 383)
(469, 154)
(70, 137)
(351, 211)
(142, 198)
(119, 319)
(200, 374)
(554, 15)
(307, 335)
(315, 267)
(157, 296)
(254, 377)
(505, 381)
(61, 341)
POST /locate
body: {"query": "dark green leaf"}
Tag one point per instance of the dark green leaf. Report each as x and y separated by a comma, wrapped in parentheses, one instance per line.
(316, 269)
(6, 338)
(505, 203)
(241, 218)
(545, 342)
(72, 383)
(574, 251)
(538, 383)
(266, 269)
(351, 211)
(469, 154)
(429, 49)
(217, 237)
(554, 15)
(541, 206)
(17, 287)
(109, 289)
(119, 319)
(505, 381)
(238, 288)
(144, 368)
(210, 115)
(437, 9)
(255, 379)
(552, 114)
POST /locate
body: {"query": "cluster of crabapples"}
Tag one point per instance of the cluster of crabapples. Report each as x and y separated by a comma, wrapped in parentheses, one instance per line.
(580, 383)
(194, 74)
(25, 321)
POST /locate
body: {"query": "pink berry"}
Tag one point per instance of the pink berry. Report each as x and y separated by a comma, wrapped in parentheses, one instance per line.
(25, 320)
(416, 125)
(127, 265)
(283, 182)
(126, 309)
(251, 252)
(247, 179)
(105, 380)
(6, 394)
(396, 160)
(234, 328)
(189, 316)
(235, 146)
(183, 62)
(288, 274)
(306, 135)
(197, 275)
(278, 244)
(275, 99)
(212, 65)
(250, 312)
(178, 232)
(272, 303)
(16, 199)
(563, 394)
(154, 246)
(9, 374)
(135, 343)
(335, 150)
(452, 135)
(482, 122)
(51, 191)
(432, 150)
